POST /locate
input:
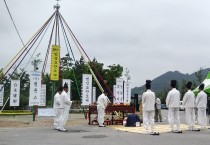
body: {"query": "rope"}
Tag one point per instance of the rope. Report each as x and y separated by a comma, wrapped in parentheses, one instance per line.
(48, 50)
(15, 24)
(35, 37)
(72, 34)
(22, 50)
(91, 71)
(66, 38)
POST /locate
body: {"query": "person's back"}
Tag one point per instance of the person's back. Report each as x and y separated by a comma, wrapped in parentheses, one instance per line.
(158, 103)
(56, 103)
(189, 99)
(173, 98)
(148, 100)
(201, 100)
(102, 101)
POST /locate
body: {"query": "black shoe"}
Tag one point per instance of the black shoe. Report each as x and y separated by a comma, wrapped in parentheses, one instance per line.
(196, 130)
(154, 133)
(177, 131)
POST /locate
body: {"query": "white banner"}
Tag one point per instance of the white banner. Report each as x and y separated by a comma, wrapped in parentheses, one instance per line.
(86, 89)
(43, 95)
(119, 90)
(1, 95)
(15, 93)
(68, 82)
(114, 93)
(35, 88)
(127, 93)
(94, 95)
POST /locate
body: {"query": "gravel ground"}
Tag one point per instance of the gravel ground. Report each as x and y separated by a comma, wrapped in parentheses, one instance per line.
(20, 121)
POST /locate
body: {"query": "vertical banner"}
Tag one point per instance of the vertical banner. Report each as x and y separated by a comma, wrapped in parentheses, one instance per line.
(119, 90)
(15, 93)
(87, 89)
(127, 93)
(43, 95)
(114, 93)
(1, 94)
(35, 88)
(68, 82)
(55, 63)
(94, 95)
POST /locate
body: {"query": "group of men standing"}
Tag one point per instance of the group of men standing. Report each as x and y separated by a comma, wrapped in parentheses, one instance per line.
(173, 103)
(61, 107)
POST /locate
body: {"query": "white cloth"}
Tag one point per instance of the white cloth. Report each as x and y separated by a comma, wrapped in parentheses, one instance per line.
(148, 120)
(189, 104)
(201, 99)
(173, 98)
(65, 105)
(158, 103)
(102, 103)
(173, 118)
(190, 117)
(101, 115)
(56, 106)
(173, 102)
(148, 103)
(201, 104)
(189, 99)
(202, 120)
(148, 100)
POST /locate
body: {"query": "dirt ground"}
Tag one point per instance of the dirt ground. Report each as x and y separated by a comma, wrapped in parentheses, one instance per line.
(27, 121)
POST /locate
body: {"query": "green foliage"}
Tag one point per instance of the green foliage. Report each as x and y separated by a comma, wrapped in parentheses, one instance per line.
(199, 75)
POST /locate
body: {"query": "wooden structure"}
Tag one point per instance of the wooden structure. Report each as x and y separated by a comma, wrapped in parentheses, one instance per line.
(111, 109)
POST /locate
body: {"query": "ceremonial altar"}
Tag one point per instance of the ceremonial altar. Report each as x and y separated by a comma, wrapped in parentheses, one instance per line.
(111, 109)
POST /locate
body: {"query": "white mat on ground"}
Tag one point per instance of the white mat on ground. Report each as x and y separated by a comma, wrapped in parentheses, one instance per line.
(46, 112)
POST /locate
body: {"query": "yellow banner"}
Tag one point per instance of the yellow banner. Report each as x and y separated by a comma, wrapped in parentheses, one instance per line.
(55, 62)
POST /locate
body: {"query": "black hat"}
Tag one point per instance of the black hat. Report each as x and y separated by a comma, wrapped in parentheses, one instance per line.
(60, 88)
(201, 86)
(173, 83)
(189, 85)
(65, 86)
(148, 84)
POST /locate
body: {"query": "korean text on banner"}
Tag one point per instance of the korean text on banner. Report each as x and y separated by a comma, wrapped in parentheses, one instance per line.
(68, 82)
(43, 95)
(119, 90)
(15, 93)
(127, 93)
(94, 95)
(1, 94)
(114, 93)
(55, 63)
(35, 88)
(86, 89)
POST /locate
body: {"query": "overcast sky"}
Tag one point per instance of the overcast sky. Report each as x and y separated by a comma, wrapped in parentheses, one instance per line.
(149, 37)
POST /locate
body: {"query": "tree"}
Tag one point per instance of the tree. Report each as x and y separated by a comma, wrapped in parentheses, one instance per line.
(199, 75)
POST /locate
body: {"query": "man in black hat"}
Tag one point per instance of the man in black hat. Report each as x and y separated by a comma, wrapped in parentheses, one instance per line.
(201, 104)
(65, 103)
(189, 104)
(148, 102)
(102, 103)
(173, 102)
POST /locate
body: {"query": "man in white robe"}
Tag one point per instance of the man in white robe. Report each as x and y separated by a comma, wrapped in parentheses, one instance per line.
(65, 104)
(148, 103)
(102, 103)
(189, 104)
(57, 109)
(201, 104)
(173, 102)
